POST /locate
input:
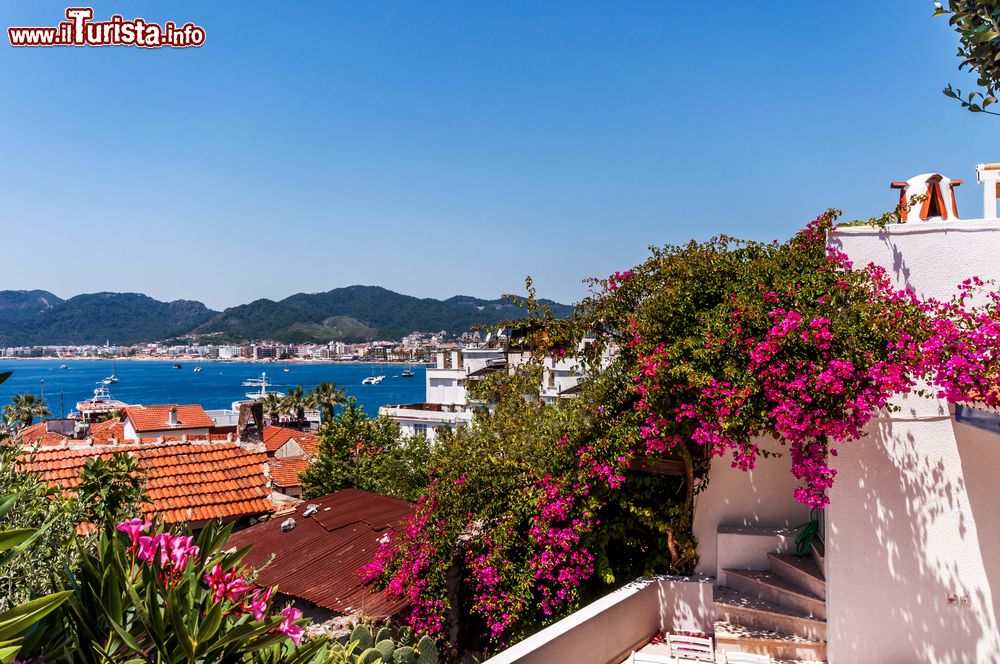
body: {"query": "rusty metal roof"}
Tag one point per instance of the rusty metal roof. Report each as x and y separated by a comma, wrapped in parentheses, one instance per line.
(320, 558)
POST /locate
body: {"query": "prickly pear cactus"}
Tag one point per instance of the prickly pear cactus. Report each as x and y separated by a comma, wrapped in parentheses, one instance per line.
(370, 656)
(404, 655)
(386, 647)
(383, 634)
(427, 651)
(363, 636)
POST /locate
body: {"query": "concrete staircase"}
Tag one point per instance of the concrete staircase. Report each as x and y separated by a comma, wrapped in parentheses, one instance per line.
(780, 611)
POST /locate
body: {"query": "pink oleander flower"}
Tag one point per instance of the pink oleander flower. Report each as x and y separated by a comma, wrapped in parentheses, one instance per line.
(146, 548)
(288, 626)
(181, 550)
(226, 585)
(258, 603)
(134, 528)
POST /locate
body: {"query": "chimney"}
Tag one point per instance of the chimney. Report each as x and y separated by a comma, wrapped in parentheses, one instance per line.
(172, 417)
(988, 175)
(939, 197)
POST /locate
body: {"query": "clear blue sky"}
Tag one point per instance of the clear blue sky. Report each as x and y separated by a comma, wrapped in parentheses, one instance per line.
(437, 148)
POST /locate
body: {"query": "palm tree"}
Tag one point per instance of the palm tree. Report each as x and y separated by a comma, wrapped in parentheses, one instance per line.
(274, 406)
(325, 396)
(23, 410)
(295, 403)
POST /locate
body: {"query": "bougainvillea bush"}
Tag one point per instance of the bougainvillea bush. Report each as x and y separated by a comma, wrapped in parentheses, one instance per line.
(703, 350)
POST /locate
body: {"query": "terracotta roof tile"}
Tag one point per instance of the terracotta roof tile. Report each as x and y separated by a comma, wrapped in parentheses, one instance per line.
(179, 483)
(285, 470)
(276, 437)
(155, 418)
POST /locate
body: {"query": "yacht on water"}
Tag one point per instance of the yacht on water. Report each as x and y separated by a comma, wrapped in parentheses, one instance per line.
(373, 379)
(113, 378)
(197, 369)
(407, 373)
(263, 384)
(102, 403)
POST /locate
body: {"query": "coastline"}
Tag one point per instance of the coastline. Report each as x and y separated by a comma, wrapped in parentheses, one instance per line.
(206, 360)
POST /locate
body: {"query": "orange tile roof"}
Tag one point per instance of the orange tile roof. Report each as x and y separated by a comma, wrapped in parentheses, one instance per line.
(275, 437)
(185, 482)
(285, 470)
(108, 430)
(155, 418)
(38, 434)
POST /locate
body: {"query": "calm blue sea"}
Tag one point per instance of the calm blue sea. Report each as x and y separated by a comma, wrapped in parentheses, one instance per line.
(217, 385)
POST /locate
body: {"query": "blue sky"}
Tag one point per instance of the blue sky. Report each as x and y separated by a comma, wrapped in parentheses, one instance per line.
(437, 148)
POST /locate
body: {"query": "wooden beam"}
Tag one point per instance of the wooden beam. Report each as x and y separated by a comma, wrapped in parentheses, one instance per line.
(659, 466)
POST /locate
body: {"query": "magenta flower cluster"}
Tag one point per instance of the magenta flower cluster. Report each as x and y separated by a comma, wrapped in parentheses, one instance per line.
(408, 580)
(816, 389)
(173, 553)
(561, 563)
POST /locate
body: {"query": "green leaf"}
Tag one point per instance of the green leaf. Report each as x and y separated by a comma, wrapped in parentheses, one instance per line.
(11, 538)
(14, 622)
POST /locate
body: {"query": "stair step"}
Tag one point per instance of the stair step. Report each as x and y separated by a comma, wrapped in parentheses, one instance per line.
(769, 586)
(744, 609)
(730, 636)
(817, 550)
(800, 570)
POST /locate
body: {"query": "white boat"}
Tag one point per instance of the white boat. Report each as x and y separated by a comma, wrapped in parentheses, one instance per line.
(113, 378)
(102, 403)
(197, 369)
(373, 380)
(262, 384)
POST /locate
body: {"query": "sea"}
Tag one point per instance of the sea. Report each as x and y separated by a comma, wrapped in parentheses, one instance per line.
(216, 386)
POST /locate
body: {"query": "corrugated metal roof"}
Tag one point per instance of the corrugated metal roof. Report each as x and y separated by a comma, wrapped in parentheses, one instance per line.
(320, 558)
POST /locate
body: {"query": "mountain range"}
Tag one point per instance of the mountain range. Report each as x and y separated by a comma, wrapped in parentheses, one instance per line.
(350, 314)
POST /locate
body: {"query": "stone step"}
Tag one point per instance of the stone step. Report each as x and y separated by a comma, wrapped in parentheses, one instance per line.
(751, 611)
(769, 586)
(781, 647)
(818, 552)
(799, 570)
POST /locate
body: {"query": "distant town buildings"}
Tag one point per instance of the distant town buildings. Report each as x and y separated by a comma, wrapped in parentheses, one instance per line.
(417, 347)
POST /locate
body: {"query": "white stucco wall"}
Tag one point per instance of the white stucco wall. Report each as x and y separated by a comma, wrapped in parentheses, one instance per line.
(607, 629)
(914, 511)
(930, 257)
(761, 497)
(913, 520)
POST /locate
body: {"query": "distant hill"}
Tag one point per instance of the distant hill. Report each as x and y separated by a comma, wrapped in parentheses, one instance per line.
(359, 313)
(121, 318)
(351, 314)
(22, 304)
